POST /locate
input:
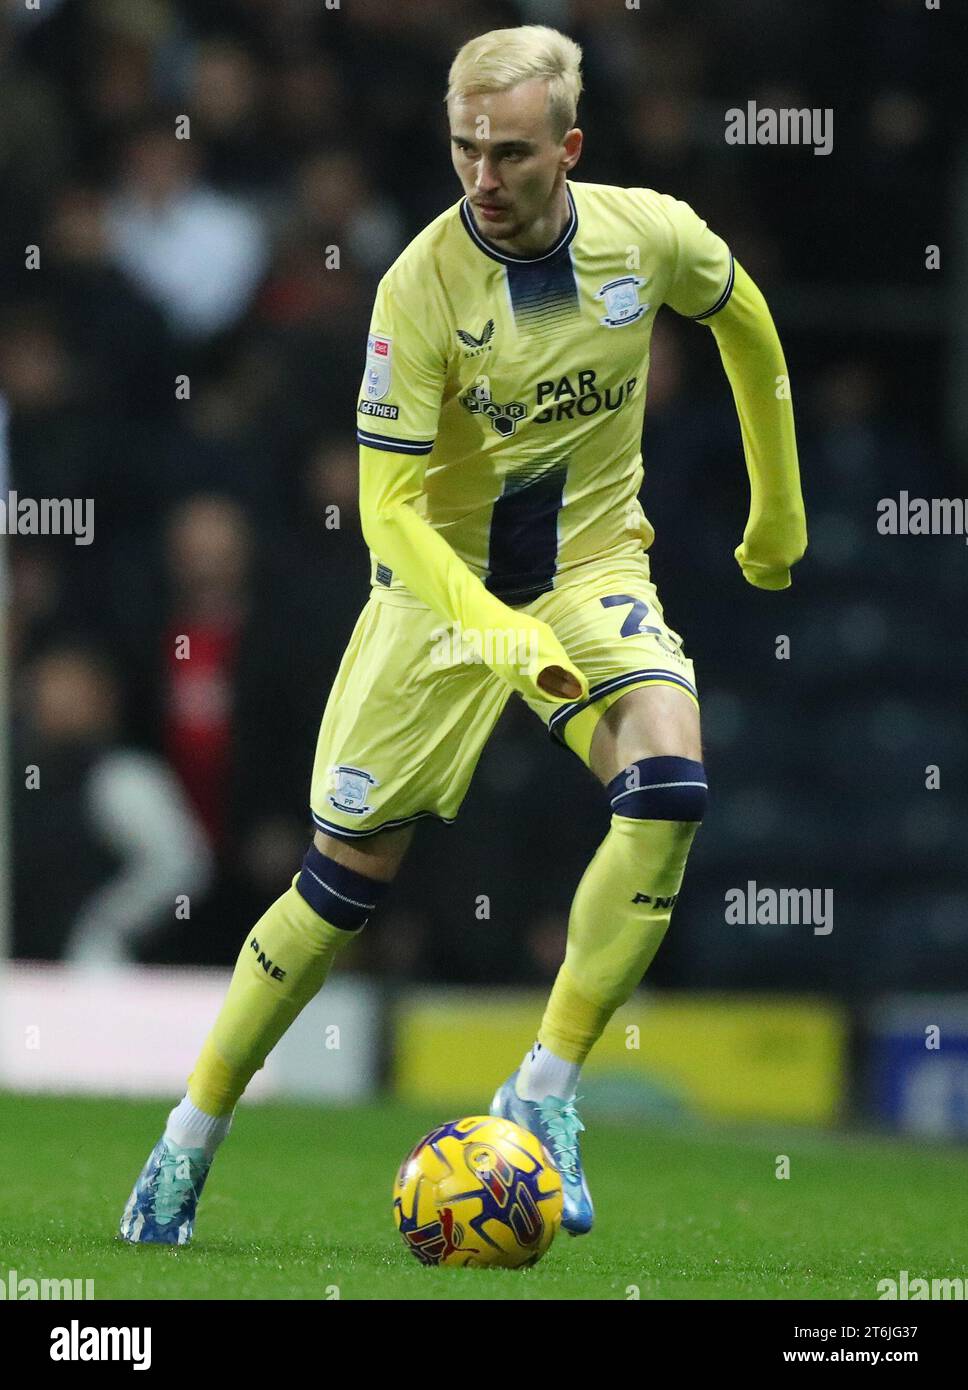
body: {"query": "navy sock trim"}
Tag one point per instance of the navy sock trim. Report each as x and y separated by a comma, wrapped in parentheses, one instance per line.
(666, 788)
(339, 895)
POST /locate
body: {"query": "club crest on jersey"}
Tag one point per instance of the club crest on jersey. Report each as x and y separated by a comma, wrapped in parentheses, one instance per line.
(622, 301)
(351, 790)
(474, 346)
(379, 351)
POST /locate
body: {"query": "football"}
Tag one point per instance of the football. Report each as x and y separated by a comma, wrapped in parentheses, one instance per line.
(478, 1192)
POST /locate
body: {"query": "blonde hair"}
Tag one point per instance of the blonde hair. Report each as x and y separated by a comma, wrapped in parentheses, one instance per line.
(501, 59)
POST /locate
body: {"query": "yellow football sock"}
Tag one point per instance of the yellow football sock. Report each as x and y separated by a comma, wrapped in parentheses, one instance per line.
(283, 964)
(618, 918)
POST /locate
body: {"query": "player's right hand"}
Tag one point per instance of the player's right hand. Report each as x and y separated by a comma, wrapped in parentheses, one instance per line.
(556, 681)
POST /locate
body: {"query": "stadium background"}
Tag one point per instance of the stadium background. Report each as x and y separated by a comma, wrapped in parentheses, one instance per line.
(211, 260)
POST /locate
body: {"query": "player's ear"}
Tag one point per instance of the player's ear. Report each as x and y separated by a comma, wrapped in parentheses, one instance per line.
(571, 146)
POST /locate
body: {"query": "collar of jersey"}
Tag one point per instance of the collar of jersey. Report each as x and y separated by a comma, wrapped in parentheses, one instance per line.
(566, 238)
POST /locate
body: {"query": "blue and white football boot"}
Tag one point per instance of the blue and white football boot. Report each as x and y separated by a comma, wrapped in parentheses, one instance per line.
(556, 1124)
(161, 1208)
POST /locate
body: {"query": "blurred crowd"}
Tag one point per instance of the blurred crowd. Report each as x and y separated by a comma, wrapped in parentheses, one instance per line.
(197, 199)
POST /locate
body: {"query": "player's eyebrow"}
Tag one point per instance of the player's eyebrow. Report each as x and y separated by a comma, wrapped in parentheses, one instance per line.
(525, 146)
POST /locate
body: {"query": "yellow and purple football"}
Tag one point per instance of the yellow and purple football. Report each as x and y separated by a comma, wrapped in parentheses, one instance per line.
(479, 1191)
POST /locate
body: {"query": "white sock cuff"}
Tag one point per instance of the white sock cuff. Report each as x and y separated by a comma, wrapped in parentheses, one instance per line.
(191, 1128)
(543, 1074)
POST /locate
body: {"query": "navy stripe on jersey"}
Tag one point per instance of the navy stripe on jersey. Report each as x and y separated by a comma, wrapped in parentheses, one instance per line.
(543, 294)
(566, 238)
(393, 444)
(723, 297)
(522, 554)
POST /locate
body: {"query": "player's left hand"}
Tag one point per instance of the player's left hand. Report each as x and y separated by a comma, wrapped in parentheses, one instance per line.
(769, 571)
(764, 576)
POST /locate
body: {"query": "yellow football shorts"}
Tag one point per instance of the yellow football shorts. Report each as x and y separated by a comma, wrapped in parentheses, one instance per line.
(410, 711)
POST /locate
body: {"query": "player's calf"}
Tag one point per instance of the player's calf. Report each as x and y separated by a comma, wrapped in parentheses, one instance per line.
(282, 966)
(619, 916)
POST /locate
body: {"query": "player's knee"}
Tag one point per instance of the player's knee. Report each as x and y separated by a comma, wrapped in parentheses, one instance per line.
(376, 856)
(340, 895)
(664, 788)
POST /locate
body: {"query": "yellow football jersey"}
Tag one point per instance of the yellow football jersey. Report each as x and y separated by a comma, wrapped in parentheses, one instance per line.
(510, 390)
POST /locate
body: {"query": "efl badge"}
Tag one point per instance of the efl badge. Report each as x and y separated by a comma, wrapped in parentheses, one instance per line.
(351, 790)
(378, 353)
(622, 301)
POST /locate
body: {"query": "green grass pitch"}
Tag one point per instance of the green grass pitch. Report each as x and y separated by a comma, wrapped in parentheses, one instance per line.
(298, 1203)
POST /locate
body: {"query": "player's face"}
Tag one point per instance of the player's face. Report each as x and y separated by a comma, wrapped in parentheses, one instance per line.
(508, 158)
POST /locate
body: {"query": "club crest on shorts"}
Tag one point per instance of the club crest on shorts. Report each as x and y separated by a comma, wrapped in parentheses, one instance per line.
(622, 301)
(352, 786)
